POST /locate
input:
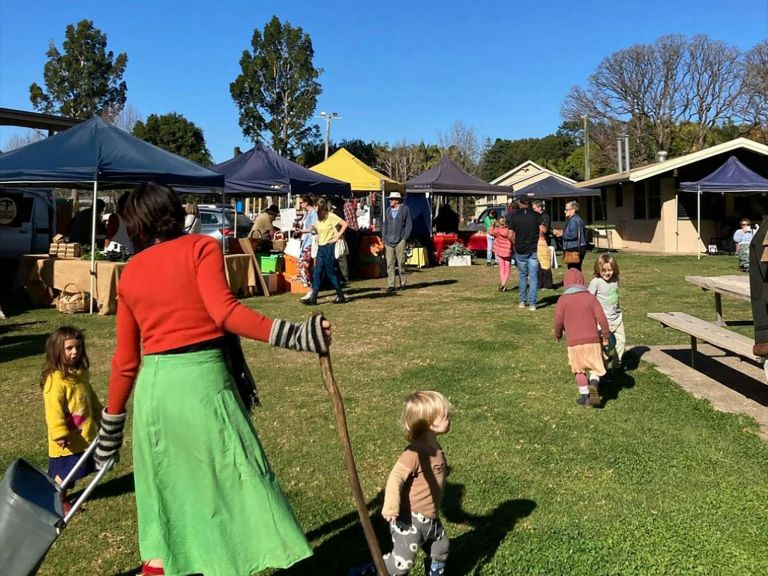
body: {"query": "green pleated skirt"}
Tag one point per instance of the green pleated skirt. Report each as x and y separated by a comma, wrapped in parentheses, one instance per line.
(207, 500)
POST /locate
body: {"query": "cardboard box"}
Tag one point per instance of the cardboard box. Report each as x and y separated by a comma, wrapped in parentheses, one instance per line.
(275, 283)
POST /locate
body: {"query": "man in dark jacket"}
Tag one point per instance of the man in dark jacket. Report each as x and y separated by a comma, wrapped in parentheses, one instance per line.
(525, 224)
(758, 288)
(397, 229)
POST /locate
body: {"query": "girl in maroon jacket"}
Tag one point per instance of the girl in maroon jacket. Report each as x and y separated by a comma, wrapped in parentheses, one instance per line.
(502, 247)
(579, 313)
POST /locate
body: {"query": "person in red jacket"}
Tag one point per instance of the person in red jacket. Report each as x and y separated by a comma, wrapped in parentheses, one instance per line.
(580, 314)
(207, 499)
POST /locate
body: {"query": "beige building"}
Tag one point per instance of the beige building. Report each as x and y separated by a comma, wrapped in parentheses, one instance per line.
(519, 177)
(645, 211)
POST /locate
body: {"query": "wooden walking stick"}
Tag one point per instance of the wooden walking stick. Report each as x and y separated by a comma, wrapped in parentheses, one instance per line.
(349, 460)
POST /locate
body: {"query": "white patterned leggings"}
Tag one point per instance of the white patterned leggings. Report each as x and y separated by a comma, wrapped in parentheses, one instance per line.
(422, 532)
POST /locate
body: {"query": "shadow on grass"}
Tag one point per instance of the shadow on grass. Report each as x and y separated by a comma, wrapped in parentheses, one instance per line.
(631, 358)
(347, 547)
(5, 328)
(730, 377)
(479, 545)
(113, 487)
(21, 346)
(612, 384)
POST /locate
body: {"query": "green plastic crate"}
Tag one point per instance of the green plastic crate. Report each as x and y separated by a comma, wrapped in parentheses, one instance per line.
(270, 263)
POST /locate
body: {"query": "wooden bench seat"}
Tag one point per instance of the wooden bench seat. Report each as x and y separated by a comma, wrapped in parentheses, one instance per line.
(717, 336)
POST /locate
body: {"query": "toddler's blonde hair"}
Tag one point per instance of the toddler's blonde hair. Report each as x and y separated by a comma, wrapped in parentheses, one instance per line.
(421, 410)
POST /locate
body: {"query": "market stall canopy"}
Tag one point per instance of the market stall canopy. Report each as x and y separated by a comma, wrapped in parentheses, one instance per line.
(731, 177)
(345, 166)
(95, 151)
(551, 187)
(263, 171)
(447, 178)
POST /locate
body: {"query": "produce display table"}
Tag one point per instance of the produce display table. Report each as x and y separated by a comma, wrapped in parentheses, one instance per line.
(40, 275)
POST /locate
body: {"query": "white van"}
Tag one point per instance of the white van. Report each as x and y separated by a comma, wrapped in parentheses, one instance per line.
(27, 221)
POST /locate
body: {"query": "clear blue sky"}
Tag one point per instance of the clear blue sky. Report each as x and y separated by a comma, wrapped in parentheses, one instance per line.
(394, 70)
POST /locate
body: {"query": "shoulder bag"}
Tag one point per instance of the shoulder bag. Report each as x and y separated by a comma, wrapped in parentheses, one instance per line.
(340, 249)
(573, 255)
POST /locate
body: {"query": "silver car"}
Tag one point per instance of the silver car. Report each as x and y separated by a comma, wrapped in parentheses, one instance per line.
(218, 222)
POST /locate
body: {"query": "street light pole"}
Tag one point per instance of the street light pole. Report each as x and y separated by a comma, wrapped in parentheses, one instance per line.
(586, 149)
(328, 117)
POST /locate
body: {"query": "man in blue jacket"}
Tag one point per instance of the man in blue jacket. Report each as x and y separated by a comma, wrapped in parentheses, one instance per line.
(397, 229)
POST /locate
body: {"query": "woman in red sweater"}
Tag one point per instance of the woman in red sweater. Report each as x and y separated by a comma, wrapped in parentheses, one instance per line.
(579, 313)
(207, 499)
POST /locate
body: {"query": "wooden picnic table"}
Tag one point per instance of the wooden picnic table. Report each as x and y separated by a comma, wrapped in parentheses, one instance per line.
(733, 285)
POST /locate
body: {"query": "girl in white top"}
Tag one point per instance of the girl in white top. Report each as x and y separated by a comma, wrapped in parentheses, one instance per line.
(605, 287)
(192, 224)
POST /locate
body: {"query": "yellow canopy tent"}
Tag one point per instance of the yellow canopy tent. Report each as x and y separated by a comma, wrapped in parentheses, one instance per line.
(344, 166)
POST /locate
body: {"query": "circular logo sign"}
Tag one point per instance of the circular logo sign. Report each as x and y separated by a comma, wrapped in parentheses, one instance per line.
(7, 210)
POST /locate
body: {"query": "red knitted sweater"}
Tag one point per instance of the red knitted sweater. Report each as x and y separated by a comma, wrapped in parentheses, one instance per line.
(174, 294)
(579, 313)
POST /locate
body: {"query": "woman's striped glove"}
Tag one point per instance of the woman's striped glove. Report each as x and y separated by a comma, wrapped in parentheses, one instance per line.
(110, 438)
(304, 336)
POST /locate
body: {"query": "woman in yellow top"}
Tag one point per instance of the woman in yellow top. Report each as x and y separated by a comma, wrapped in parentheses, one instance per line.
(329, 229)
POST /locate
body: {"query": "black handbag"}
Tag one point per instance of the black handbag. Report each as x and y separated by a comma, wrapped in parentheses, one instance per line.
(241, 374)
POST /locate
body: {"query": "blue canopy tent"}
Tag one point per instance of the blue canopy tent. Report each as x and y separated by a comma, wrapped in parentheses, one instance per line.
(95, 154)
(262, 171)
(732, 178)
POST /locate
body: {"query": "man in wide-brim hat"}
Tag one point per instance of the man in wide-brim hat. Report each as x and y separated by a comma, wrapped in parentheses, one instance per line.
(262, 226)
(397, 229)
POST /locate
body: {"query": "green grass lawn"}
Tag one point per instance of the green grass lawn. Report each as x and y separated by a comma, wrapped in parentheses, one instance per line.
(655, 482)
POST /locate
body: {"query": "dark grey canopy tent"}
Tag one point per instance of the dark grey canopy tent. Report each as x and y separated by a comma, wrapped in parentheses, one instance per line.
(95, 154)
(448, 179)
(730, 178)
(551, 187)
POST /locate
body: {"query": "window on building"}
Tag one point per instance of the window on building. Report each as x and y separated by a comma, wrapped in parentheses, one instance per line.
(653, 187)
(619, 195)
(640, 203)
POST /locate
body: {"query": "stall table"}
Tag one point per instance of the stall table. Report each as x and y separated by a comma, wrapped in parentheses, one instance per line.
(241, 274)
(441, 242)
(39, 275)
(732, 285)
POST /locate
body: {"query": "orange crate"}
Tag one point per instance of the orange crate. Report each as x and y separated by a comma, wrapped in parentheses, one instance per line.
(296, 285)
(291, 266)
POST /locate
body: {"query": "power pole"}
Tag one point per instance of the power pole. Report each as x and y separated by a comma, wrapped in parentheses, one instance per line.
(328, 117)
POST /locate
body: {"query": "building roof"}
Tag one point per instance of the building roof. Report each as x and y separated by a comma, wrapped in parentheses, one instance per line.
(657, 168)
(37, 120)
(519, 175)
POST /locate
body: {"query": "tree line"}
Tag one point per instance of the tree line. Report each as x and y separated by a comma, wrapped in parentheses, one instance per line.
(677, 94)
